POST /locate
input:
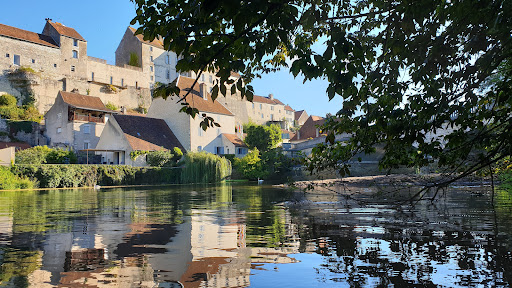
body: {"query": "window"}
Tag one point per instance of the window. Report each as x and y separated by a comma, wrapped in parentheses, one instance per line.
(285, 135)
(86, 129)
(150, 48)
(59, 115)
(199, 148)
(151, 67)
(151, 57)
(75, 42)
(272, 108)
(86, 145)
(75, 54)
(72, 68)
(151, 78)
(210, 78)
(218, 131)
(167, 59)
(200, 131)
(54, 65)
(271, 117)
(202, 77)
(168, 74)
(7, 55)
(252, 105)
(92, 76)
(16, 59)
(33, 61)
(111, 80)
(122, 82)
(261, 115)
(136, 84)
(59, 130)
(219, 150)
(261, 106)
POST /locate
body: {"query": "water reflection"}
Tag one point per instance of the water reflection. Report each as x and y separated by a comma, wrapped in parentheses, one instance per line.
(241, 236)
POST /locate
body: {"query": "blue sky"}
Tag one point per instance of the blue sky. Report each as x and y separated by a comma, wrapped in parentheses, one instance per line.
(103, 23)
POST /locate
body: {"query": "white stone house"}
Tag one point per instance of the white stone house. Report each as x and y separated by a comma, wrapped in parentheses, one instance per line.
(186, 128)
(234, 145)
(124, 134)
(75, 121)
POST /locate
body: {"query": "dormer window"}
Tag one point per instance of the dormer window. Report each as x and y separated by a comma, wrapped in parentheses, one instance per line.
(75, 42)
(75, 54)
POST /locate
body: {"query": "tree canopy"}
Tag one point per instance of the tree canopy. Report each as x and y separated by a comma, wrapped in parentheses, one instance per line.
(406, 70)
(262, 137)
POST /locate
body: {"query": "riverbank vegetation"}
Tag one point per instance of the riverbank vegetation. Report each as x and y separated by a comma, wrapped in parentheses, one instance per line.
(42, 167)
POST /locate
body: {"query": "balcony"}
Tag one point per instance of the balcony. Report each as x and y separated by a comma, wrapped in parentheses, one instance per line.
(86, 118)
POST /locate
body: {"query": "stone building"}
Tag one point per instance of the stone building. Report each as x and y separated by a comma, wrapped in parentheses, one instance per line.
(76, 121)
(40, 65)
(186, 128)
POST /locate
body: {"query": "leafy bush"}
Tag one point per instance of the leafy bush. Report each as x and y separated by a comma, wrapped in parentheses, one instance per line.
(272, 164)
(111, 106)
(65, 176)
(45, 155)
(204, 167)
(162, 158)
(31, 113)
(11, 112)
(251, 165)
(8, 100)
(134, 60)
(10, 181)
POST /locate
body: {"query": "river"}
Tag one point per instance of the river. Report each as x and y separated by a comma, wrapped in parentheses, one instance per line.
(252, 236)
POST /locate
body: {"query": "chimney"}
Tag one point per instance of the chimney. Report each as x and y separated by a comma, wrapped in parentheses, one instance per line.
(271, 96)
(202, 91)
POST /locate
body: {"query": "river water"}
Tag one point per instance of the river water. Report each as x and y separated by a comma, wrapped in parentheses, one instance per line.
(253, 236)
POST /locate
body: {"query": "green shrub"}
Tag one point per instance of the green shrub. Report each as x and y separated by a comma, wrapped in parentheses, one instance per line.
(134, 60)
(30, 113)
(11, 112)
(10, 181)
(111, 106)
(8, 100)
(162, 158)
(204, 167)
(65, 176)
(251, 165)
(45, 155)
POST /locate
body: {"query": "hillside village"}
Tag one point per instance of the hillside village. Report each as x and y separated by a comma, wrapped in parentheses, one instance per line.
(108, 111)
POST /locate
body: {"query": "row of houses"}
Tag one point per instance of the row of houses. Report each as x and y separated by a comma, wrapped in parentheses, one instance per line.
(72, 88)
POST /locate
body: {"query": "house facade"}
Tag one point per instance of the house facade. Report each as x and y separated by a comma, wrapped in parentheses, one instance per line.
(188, 129)
(300, 117)
(75, 121)
(124, 134)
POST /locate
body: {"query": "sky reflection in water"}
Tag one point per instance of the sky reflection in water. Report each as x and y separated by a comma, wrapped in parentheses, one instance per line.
(241, 236)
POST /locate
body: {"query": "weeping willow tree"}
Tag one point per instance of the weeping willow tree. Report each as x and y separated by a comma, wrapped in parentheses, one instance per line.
(204, 167)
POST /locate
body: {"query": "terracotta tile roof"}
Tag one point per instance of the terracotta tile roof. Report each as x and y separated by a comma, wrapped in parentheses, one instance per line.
(66, 31)
(261, 99)
(145, 133)
(196, 101)
(28, 36)
(18, 145)
(288, 108)
(298, 114)
(83, 101)
(234, 139)
(308, 130)
(157, 42)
